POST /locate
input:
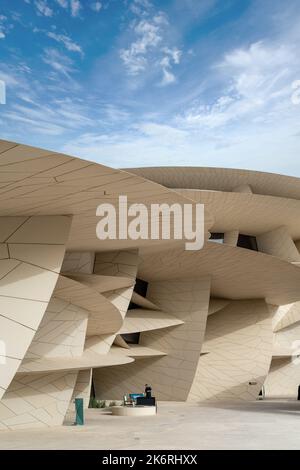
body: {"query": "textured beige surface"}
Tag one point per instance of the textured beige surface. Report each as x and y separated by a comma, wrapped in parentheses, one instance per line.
(238, 350)
(104, 316)
(62, 313)
(250, 214)
(284, 375)
(222, 179)
(102, 283)
(37, 400)
(143, 302)
(216, 304)
(288, 339)
(61, 333)
(82, 388)
(236, 273)
(231, 237)
(243, 188)
(117, 263)
(39, 182)
(99, 344)
(283, 379)
(170, 376)
(22, 304)
(140, 319)
(87, 360)
(278, 243)
(286, 315)
(137, 351)
(78, 262)
(119, 341)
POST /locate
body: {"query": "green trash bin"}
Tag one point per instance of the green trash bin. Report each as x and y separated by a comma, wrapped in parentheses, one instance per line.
(79, 411)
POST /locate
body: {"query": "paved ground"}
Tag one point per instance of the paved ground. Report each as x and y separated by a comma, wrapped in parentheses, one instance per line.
(257, 425)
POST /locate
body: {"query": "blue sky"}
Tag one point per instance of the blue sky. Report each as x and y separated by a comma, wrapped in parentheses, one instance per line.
(144, 83)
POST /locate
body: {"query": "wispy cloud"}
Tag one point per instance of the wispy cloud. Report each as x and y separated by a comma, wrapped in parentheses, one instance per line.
(148, 37)
(256, 81)
(96, 6)
(177, 82)
(251, 118)
(59, 62)
(55, 118)
(69, 44)
(3, 19)
(75, 7)
(172, 56)
(149, 45)
(9, 78)
(63, 3)
(140, 7)
(43, 8)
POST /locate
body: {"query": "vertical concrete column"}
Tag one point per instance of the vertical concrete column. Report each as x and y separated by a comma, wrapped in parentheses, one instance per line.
(231, 238)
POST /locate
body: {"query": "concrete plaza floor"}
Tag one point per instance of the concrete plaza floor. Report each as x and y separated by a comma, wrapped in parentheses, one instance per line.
(256, 425)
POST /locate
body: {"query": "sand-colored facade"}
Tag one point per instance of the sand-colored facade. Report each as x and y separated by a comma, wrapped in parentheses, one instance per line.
(220, 323)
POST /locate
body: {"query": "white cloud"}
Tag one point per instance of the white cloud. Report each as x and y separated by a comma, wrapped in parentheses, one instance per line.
(43, 8)
(251, 121)
(66, 41)
(168, 77)
(59, 62)
(39, 126)
(257, 79)
(25, 97)
(169, 145)
(163, 132)
(3, 19)
(238, 112)
(115, 114)
(53, 118)
(171, 55)
(63, 3)
(9, 78)
(134, 63)
(174, 53)
(258, 55)
(75, 7)
(148, 46)
(96, 6)
(140, 7)
(148, 36)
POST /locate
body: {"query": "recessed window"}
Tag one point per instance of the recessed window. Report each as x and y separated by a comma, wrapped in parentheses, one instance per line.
(141, 287)
(248, 242)
(216, 237)
(131, 338)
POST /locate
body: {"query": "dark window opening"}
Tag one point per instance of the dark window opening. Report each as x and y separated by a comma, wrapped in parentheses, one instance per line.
(141, 287)
(132, 306)
(216, 237)
(247, 241)
(131, 338)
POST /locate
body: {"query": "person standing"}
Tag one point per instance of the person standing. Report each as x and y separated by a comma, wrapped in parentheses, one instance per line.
(148, 391)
